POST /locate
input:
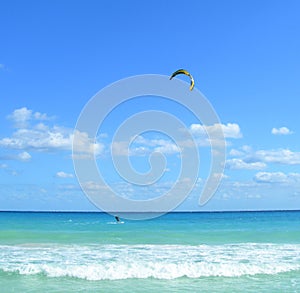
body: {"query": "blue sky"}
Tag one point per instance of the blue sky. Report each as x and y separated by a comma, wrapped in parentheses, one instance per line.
(244, 56)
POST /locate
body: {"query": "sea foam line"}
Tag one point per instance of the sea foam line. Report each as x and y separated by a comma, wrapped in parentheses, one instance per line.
(112, 262)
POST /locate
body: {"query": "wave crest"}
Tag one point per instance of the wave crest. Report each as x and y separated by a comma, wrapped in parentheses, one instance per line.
(115, 262)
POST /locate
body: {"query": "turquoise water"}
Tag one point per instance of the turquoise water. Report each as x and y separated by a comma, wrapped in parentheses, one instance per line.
(178, 252)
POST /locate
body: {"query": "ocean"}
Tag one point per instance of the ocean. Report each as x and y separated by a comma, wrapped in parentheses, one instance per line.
(177, 252)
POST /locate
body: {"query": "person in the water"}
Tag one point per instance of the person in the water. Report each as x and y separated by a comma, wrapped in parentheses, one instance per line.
(117, 218)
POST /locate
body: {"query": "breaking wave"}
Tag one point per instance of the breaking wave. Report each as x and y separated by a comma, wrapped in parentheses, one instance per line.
(116, 262)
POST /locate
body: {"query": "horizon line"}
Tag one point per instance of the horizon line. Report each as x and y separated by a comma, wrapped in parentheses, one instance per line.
(148, 212)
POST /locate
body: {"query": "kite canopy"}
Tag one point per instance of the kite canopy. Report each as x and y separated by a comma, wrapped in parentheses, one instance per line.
(183, 71)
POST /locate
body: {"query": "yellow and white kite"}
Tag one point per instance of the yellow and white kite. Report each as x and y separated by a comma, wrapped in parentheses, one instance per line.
(183, 71)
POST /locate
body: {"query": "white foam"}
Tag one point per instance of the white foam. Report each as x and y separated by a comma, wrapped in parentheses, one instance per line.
(111, 262)
(115, 223)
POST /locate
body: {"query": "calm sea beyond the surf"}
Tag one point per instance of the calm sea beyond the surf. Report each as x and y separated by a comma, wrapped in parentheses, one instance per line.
(177, 252)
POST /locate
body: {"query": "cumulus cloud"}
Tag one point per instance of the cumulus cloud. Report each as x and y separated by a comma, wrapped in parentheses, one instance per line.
(62, 174)
(120, 148)
(276, 177)
(141, 146)
(268, 177)
(22, 116)
(84, 146)
(246, 158)
(280, 156)
(281, 131)
(39, 139)
(39, 136)
(236, 153)
(237, 164)
(230, 130)
(165, 146)
(94, 186)
(157, 145)
(23, 156)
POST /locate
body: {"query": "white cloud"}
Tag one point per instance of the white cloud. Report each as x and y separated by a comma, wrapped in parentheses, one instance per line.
(235, 153)
(37, 139)
(141, 146)
(22, 116)
(40, 116)
(237, 164)
(41, 137)
(94, 186)
(62, 174)
(276, 177)
(24, 156)
(165, 146)
(281, 131)
(230, 130)
(269, 177)
(197, 129)
(278, 156)
(281, 156)
(120, 148)
(84, 146)
(220, 175)
(157, 145)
